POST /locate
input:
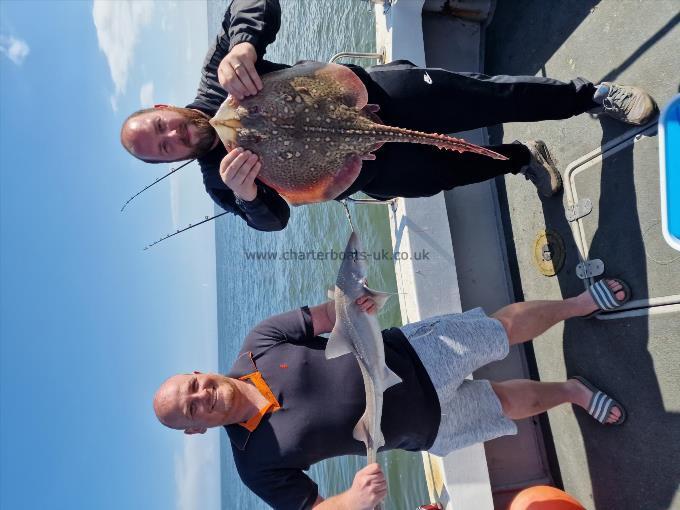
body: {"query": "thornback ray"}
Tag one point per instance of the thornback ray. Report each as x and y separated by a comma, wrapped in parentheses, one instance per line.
(312, 127)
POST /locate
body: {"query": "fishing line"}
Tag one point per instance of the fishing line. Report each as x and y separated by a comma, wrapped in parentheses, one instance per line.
(349, 215)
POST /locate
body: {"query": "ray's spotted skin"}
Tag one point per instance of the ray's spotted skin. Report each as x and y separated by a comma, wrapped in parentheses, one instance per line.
(312, 126)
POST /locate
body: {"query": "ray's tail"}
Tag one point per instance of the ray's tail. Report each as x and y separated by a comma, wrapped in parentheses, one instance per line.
(385, 133)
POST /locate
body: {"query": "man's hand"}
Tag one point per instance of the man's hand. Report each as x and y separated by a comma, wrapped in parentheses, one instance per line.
(367, 304)
(237, 73)
(368, 489)
(238, 170)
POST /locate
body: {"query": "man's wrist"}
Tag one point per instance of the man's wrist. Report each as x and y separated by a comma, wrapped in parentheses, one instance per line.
(330, 313)
(245, 200)
(243, 39)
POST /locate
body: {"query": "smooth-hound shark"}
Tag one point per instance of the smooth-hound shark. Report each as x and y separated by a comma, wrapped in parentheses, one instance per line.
(358, 333)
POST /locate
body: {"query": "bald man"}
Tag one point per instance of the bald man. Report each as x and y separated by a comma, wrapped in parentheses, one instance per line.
(432, 100)
(285, 406)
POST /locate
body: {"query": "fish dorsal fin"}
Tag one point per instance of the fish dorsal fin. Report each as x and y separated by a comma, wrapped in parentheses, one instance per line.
(378, 296)
(339, 343)
(390, 378)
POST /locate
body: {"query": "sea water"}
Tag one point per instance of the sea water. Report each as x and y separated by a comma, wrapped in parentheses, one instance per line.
(250, 289)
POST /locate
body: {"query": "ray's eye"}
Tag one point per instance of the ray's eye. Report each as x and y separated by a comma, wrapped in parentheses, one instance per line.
(253, 109)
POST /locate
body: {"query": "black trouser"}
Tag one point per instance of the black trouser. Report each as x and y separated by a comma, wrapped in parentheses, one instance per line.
(456, 102)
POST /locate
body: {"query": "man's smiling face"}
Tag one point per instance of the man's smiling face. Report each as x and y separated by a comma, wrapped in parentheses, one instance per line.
(194, 402)
(166, 134)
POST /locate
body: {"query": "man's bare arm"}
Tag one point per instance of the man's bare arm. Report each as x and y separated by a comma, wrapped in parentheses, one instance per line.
(323, 317)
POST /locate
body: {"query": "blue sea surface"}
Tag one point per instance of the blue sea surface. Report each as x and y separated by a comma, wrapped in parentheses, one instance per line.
(249, 290)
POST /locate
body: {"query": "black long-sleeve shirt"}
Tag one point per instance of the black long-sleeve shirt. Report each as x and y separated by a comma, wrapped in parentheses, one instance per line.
(256, 22)
(320, 403)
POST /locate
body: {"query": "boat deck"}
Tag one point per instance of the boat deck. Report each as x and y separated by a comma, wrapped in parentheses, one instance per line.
(500, 235)
(634, 357)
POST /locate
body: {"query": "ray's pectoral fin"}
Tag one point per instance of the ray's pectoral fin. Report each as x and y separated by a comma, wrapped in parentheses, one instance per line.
(329, 188)
(354, 91)
(346, 176)
(341, 83)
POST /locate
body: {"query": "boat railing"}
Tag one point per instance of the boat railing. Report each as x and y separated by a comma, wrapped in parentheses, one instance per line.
(371, 201)
(380, 57)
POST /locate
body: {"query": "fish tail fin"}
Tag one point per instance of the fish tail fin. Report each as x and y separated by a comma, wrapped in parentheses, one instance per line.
(385, 133)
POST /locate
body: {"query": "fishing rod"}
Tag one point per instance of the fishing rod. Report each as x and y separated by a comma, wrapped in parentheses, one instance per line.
(172, 171)
(188, 227)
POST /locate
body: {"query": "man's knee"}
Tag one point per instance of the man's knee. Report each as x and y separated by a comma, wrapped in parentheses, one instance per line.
(506, 321)
(503, 397)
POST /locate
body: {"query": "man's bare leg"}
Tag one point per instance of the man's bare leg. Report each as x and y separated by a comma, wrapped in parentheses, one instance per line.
(524, 321)
(522, 398)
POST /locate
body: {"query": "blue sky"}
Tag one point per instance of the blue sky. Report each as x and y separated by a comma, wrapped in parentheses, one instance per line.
(90, 324)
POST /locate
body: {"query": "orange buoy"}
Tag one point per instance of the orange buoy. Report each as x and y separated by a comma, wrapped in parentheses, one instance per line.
(543, 497)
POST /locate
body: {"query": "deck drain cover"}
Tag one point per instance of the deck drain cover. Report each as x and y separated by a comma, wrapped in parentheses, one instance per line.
(548, 252)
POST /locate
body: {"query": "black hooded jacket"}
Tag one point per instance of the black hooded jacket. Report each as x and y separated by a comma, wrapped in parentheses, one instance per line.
(256, 22)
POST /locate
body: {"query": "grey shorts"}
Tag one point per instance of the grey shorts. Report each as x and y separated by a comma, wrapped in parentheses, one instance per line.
(451, 347)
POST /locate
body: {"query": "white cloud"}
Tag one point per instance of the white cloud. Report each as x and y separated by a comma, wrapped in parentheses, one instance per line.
(14, 49)
(118, 27)
(146, 95)
(168, 8)
(197, 473)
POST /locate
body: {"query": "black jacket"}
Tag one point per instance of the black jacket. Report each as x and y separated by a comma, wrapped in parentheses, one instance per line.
(256, 22)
